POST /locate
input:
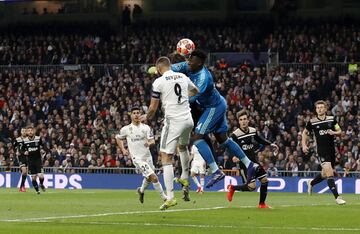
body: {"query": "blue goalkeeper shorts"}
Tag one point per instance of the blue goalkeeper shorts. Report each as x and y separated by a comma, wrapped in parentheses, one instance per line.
(213, 120)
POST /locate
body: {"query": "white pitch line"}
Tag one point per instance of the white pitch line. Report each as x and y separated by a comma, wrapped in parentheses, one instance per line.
(146, 224)
(108, 214)
(210, 226)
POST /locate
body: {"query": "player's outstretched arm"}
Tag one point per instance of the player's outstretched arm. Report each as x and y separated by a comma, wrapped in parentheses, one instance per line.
(180, 67)
(152, 70)
(264, 141)
(337, 130)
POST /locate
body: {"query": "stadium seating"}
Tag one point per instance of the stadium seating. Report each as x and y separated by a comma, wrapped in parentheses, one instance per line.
(78, 111)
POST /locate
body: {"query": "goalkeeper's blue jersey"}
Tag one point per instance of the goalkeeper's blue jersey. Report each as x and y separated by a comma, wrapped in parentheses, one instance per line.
(208, 95)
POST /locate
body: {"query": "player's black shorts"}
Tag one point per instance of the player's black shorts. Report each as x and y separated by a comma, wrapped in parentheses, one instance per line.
(327, 157)
(35, 167)
(23, 162)
(259, 173)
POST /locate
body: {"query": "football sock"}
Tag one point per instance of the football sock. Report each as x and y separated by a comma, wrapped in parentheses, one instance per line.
(23, 178)
(234, 149)
(184, 159)
(202, 182)
(242, 187)
(263, 192)
(207, 155)
(317, 180)
(159, 188)
(195, 181)
(144, 185)
(169, 180)
(35, 184)
(332, 186)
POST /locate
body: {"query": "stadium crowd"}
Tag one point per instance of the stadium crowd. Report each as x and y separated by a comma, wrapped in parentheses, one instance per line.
(296, 42)
(78, 113)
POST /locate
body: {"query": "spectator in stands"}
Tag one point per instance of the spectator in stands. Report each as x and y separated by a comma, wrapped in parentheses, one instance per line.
(222, 64)
(272, 170)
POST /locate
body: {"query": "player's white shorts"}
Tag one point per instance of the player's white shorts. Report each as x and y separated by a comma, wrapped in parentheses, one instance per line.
(146, 167)
(197, 167)
(174, 132)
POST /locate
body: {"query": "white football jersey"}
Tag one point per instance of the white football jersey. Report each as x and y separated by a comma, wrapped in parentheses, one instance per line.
(173, 90)
(197, 155)
(136, 137)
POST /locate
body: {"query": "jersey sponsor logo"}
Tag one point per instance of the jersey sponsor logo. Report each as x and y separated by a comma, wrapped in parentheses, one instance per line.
(32, 149)
(137, 139)
(247, 147)
(324, 132)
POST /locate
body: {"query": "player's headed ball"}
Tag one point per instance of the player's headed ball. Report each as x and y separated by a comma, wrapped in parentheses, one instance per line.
(185, 47)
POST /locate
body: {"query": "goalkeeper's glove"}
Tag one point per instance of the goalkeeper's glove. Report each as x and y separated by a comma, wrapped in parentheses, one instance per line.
(152, 70)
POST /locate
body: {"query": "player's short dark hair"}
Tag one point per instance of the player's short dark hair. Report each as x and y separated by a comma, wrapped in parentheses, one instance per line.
(176, 58)
(163, 61)
(135, 108)
(242, 113)
(200, 54)
(321, 102)
(29, 126)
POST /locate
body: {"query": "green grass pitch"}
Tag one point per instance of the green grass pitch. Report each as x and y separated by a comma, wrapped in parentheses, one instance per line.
(119, 211)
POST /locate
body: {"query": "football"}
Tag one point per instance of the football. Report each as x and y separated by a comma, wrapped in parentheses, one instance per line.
(185, 46)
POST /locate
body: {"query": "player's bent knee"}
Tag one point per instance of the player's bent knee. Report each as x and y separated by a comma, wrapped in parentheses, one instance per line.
(252, 186)
(153, 178)
(264, 180)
